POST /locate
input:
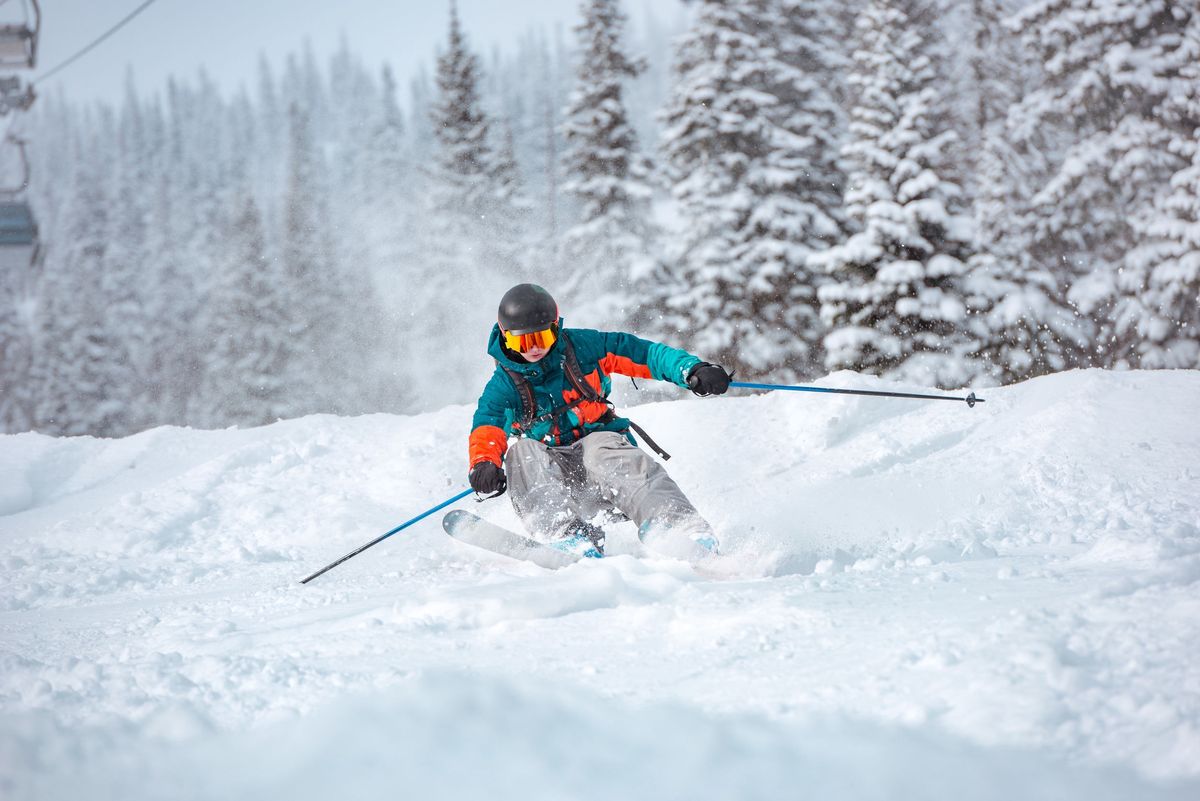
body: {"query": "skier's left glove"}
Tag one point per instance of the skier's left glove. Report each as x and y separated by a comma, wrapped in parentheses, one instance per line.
(708, 379)
(488, 479)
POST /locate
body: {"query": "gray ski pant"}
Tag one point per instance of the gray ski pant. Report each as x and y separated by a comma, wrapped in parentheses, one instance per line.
(553, 487)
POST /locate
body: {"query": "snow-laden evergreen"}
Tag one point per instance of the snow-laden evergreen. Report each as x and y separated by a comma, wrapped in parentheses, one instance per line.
(386, 221)
(1161, 304)
(896, 304)
(83, 367)
(466, 229)
(251, 356)
(610, 247)
(316, 297)
(16, 346)
(749, 144)
(1121, 79)
(171, 276)
(1074, 154)
(1158, 313)
(1025, 325)
(465, 164)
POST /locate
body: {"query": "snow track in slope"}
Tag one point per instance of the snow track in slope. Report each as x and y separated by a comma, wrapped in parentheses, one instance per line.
(1006, 594)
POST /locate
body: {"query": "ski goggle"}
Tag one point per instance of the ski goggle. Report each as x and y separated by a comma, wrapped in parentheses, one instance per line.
(523, 343)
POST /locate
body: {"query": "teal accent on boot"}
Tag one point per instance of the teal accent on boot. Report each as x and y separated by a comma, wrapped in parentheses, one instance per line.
(577, 544)
(705, 540)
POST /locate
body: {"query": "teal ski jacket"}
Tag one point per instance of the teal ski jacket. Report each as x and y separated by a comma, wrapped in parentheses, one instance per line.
(600, 354)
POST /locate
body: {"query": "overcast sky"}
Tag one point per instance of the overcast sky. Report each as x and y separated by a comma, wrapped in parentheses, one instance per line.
(177, 37)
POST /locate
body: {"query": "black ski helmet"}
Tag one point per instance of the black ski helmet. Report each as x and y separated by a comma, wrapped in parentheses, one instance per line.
(527, 308)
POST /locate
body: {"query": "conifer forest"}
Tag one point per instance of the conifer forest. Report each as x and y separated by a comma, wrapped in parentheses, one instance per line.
(945, 193)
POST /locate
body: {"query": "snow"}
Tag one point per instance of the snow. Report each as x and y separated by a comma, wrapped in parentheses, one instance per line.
(921, 601)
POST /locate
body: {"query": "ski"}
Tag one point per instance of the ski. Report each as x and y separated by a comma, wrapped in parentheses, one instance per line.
(474, 530)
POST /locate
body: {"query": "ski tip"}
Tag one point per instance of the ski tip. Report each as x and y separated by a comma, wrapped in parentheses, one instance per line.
(455, 518)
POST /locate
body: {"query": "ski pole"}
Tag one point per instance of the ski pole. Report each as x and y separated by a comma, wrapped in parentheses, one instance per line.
(970, 400)
(383, 537)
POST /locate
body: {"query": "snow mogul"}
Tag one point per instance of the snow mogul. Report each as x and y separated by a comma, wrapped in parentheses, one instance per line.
(575, 460)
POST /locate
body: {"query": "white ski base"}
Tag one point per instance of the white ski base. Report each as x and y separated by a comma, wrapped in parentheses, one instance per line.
(474, 530)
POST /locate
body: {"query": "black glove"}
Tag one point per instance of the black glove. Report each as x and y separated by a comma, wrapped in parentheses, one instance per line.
(488, 479)
(708, 379)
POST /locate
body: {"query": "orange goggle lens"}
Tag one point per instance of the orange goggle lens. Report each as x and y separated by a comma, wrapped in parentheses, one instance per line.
(523, 343)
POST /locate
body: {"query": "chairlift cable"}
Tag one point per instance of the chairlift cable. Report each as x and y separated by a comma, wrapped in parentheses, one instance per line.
(95, 43)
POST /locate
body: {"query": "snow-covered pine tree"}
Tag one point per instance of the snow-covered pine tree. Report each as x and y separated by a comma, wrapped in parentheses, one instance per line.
(512, 208)
(811, 162)
(896, 306)
(170, 366)
(421, 138)
(58, 366)
(748, 142)
(464, 155)
(466, 265)
(1120, 77)
(126, 263)
(1159, 308)
(387, 217)
(354, 114)
(542, 144)
(815, 40)
(387, 206)
(246, 363)
(357, 118)
(527, 114)
(315, 294)
(194, 179)
(271, 124)
(85, 376)
(609, 249)
(16, 350)
(1025, 326)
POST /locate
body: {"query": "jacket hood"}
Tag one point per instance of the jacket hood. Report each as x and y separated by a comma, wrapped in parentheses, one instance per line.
(496, 350)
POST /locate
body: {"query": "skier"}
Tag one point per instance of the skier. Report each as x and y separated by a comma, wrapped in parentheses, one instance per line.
(574, 458)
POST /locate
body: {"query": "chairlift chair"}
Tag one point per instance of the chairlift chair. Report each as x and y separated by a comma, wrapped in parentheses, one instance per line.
(19, 40)
(14, 96)
(19, 243)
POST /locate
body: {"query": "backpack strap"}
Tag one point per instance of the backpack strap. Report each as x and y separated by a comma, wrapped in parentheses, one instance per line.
(588, 392)
(574, 373)
(525, 393)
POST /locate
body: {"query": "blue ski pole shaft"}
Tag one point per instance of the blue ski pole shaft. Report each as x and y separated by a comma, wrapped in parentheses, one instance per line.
(383, 537)
(970, 400)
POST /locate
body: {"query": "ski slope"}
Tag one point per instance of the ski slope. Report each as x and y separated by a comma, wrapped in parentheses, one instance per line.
(924, 601)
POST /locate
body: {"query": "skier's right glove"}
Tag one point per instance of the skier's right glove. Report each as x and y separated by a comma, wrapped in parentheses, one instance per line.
(488, 479)
(708, 379)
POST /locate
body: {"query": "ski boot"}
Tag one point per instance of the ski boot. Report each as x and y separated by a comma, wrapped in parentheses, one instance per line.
(681, 538)
(580, 538)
